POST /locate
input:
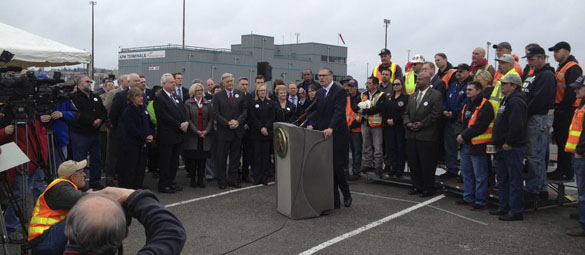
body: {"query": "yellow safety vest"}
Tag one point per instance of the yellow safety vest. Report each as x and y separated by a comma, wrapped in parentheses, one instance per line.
(496, 97)
(374, 120)
(575, 130)
(377, 74)
(410, 83)
(43, 216)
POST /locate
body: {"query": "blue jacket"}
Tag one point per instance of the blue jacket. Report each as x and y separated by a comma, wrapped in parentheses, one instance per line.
(455, 98)
(60, 126)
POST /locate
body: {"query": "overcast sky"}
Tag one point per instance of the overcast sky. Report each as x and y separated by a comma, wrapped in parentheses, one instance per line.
(424, 27)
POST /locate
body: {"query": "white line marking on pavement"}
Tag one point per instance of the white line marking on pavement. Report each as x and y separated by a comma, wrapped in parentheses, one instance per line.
(415, 202)
(215, 195)
(369, 226)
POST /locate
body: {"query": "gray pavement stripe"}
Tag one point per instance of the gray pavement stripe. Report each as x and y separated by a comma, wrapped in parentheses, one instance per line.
(215, 195)
(416, 202)
(369, 226)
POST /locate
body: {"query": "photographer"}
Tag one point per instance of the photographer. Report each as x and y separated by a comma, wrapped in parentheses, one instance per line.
(31, 137)
(89, 116)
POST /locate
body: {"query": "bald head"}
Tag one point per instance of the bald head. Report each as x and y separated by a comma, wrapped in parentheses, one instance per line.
(423, 80)
(134, 80)
(477, 55)
(97, 223)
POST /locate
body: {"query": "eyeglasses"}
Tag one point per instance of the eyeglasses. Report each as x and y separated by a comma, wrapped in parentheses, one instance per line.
(323, 75)
(87, 81)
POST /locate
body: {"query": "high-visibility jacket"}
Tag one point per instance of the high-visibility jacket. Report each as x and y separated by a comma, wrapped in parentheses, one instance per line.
(484, 68)
(447, 77)
(575, 130)
(561, 83)
(43, 216)
(496, 97)
(498, 75)
(377, 73)
(409, 83)
(375, 120)
(486, 136)
(350, 116)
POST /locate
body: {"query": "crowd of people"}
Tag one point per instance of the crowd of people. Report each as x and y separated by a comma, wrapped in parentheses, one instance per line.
(470, 117)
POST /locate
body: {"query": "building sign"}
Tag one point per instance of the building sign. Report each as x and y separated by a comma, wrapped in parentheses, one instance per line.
(141, 55)
(153, 68)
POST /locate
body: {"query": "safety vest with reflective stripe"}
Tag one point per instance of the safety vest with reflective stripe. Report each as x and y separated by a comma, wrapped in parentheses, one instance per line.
(575, 130)
(350, 116)
(486, 136)
(410, 83)
(561, 83)
(447, 77)
(496, 97)
(484, 68)
(375, 120)
(43, 216)
(377, 73)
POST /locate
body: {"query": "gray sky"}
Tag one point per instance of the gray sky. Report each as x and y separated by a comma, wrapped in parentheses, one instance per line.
(425, 27)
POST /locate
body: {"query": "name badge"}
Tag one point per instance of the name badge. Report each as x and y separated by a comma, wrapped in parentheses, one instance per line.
(95, 99)
(288, 108)
(257, 106)
(426, 103)
(502, 108)
(146, 112)
(176, 101)
(468, 114)
(400, 103)
(237, 96)
(461, 92)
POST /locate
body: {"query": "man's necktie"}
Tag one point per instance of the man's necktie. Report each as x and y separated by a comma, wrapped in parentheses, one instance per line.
(418, 99)
(231, 97)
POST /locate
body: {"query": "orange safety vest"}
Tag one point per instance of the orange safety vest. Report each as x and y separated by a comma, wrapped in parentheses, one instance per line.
(377, 74)
(561, 83)
(447, 77)
(350, 116)
(43, 216)
(486, 136)
(575, 130)
(374, 120)
(410, 83)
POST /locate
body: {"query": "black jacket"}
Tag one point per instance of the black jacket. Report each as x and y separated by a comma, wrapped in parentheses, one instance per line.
(510, 125)
(261, 116)
(170, 113)
(438, 83)
(137, 125)
(288, 114)
(540, 89)
(87, 110)
(165, 233)
(394, 109)
(570, 76)
(482, 122)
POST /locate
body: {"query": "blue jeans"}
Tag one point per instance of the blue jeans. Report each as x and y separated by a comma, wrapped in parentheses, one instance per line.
(537, 131)
(509, 174)
(579, 168)
(36, 184)
(355, 144)
(395, 139)
(451, 146)
(474, 170)
(84, 144)
(54, 242)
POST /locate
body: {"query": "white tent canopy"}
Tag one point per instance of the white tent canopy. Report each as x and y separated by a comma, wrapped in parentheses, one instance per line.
(34, 50)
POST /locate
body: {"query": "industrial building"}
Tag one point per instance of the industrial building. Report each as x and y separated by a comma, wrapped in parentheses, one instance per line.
(287, 60)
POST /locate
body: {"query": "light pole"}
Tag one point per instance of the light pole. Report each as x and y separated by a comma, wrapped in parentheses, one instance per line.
(488, 51)
(92, 3)
(386, 23)
(183, 24)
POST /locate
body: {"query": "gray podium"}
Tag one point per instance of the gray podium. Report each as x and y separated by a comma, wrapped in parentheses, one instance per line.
(304, 171)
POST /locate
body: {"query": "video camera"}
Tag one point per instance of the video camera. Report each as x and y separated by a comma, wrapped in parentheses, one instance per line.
(27, 93)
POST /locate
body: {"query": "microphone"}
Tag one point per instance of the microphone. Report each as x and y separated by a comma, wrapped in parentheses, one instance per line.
(312, 116)
(306, 111)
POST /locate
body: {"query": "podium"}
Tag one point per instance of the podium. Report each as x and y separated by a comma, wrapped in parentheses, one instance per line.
(304, 171)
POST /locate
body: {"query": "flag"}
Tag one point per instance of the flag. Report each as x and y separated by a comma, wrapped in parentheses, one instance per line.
(343, 41)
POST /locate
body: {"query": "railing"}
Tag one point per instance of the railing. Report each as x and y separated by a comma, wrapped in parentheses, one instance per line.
(179, 46)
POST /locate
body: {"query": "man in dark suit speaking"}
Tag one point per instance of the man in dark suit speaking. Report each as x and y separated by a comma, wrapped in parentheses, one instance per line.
(231, 112)
(330, 107)
(421, 119)
(172, 124)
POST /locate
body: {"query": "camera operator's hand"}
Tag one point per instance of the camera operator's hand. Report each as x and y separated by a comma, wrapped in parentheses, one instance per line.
(45, 118)
(118, 194)
(56, 115)
(97, 123)
(9, 130)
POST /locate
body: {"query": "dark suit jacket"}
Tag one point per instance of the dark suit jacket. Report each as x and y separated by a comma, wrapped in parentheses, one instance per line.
(169, 116)
(331, 113)
(225, 111)
(99, 91)
(185, 94)
(119, 104)
(429, 113)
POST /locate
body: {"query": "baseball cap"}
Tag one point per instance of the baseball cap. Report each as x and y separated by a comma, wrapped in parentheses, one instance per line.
(512, 78)
(579, 82)
(464, 67)
(506, 58)
(346, 78)
(418, 58)
(69, 167)
(560, 45)
(384, 52)
(505, 45)
(533, 51)
(352, 83)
